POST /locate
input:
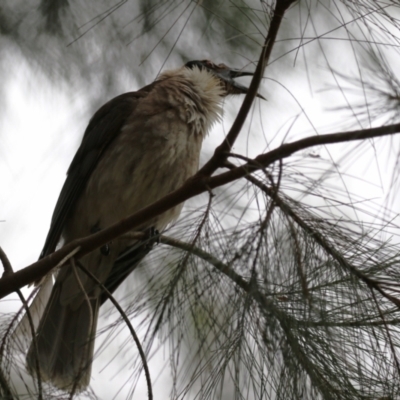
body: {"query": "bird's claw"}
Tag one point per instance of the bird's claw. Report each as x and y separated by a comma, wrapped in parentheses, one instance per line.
(152, 236)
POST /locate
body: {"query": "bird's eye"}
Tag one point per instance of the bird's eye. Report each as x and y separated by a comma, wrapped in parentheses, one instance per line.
(192, 64)
(200, 64)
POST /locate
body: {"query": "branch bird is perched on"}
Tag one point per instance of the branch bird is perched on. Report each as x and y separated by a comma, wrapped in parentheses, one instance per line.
(137, 148)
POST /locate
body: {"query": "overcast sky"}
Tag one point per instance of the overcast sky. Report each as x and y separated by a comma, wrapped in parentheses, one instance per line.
(41, 128)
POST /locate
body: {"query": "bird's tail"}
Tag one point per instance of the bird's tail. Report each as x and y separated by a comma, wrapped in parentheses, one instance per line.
(64, 344)
(22, 335)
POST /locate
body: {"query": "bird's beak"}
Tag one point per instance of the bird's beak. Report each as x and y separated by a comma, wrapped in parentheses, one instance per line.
(226, 75)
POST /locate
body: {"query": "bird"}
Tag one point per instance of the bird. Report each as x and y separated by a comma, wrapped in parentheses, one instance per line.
(137, 148)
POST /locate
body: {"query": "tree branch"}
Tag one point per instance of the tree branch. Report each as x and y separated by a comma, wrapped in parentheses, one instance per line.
(221, 151)
(192, 187)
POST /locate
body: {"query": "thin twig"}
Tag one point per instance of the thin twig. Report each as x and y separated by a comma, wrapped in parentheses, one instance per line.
(181, 268)
(7, 394)
(222, 267)
(129, 325)
(320, 239)
(8, 271)
(87, 300)
(387, 331)
(67, 257)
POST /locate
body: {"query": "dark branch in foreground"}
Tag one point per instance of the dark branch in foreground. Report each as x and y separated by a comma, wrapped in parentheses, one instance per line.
(220, 152)
(192, 187)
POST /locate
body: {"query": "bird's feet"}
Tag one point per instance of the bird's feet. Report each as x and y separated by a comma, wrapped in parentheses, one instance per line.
(106, 248)
(152, 236)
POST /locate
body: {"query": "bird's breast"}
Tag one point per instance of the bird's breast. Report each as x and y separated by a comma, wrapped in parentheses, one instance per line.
(151, 157)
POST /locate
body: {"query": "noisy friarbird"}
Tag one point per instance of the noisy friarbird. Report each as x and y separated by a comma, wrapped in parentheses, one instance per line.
(137, 148)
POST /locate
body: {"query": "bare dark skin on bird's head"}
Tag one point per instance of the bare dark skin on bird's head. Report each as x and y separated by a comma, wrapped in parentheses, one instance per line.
(113, 175)
(225, 74)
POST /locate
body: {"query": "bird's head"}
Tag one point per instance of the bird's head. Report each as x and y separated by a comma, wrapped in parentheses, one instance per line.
(225, 75)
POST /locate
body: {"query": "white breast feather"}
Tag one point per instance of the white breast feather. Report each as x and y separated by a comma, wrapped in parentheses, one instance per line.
(203, 95)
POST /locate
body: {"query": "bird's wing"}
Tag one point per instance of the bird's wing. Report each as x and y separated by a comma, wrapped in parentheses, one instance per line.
(103, 128)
